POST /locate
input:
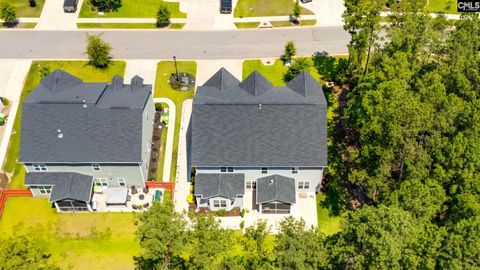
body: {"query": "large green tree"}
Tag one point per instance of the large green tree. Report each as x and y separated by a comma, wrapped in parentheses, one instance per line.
(299, 248)
(107, 5)
(24, 253)
(98, 51)
(162, 233)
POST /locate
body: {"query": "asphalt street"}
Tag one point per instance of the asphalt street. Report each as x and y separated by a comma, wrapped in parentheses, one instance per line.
(146, 44)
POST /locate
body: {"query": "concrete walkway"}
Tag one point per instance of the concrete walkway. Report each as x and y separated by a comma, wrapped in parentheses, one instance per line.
(12, 90)
(54, 18)
(182, 184)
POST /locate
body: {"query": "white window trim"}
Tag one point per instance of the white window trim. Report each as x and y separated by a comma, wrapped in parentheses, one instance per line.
(96, 167)
(121, 180)
(230, 169)
(223, 169)
(264, 170)
(294, 170)
(251, 184)
(100, 182)
(39, 167)
(303, 185)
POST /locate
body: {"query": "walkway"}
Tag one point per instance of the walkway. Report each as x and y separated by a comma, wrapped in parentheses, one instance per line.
(182, 180)
(13, 73)
(54, 18)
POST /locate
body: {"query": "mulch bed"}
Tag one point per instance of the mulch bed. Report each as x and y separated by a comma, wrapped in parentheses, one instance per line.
(156, 144)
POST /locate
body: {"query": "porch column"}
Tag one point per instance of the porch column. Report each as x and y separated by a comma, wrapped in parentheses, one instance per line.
(56, 206)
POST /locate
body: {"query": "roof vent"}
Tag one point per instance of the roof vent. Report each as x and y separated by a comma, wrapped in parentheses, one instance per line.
(259, 106)
(84, 104)
(60, 135)
(59, 130)
(271, 181)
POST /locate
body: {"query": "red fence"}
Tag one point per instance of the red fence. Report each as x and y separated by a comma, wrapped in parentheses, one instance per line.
(6, 193)
(165, 185)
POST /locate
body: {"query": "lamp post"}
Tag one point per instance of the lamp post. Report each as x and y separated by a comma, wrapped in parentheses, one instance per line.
(176, 69)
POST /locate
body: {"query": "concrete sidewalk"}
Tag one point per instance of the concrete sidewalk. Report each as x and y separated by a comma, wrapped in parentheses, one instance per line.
(272, 18)
(182, 179)
(127, 20)
(18, 70)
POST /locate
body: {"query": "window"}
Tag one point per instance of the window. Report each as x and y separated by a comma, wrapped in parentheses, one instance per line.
(121, 182)
(100, 182)
(44, 189)
(223, 169)
(264, 170)
(303, 185)
(230, 169)
(223, 204)
(251, 184)
(216, 203)
(96, 167)
(39, 167)
(294, 170)
(219, 203)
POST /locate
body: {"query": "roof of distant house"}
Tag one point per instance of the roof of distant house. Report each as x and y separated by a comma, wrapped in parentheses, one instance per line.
(255, 124)
(227, 185)
(66, 120)
(275, 188)
(66, 186)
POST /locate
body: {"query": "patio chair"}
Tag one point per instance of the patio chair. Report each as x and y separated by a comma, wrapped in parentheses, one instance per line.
(146, 205)
(145, 190)
(134, 207)
(133, 190)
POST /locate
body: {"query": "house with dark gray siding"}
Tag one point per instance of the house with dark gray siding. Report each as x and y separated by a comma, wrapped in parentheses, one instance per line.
(256, 146)
(80, 138)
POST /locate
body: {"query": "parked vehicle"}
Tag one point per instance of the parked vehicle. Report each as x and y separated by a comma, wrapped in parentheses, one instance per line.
(305, 1)
(70, 6)
(225, 6)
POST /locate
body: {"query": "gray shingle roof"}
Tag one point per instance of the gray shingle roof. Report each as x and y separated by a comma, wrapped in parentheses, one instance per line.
(73, 186)
(275, 188)
(280, 127)
(227, 185)
(58, 126)
(222, 80)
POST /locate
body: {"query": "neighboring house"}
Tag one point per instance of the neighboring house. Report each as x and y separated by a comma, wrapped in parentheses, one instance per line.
(76, 135)
(251, 138)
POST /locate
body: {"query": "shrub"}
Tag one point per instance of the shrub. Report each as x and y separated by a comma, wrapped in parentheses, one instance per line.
(107, 5)
(221, 213)
(289, 52)
(98, 52)
(242, 213)
(296, 9)
(158, 106)
(163, 16)
(5, 101)
(190, 198)
(299, 65)
(9, 15)
(32, 3)
(242, 224)
(44, 71)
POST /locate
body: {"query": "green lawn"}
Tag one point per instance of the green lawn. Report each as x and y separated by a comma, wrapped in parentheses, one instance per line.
(134, 9)
(75, 240)
(129, 25)
(23, 9)
(163, 89)
(247, 24)
(20, 25)
(289, 23)
(327, 223)
(442, 6)
(80, 69)
(274, 73)
(260, 8)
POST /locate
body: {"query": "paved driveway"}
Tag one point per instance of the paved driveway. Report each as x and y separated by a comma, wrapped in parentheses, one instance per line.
(328, 12)
(53, 17)
(205, 15)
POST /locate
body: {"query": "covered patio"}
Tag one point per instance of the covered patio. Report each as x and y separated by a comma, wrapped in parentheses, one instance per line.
(275, 194)
(123, 199)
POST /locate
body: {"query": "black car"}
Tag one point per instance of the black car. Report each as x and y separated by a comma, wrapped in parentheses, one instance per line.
(225, 6)
(70, 6)
(305, 1)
